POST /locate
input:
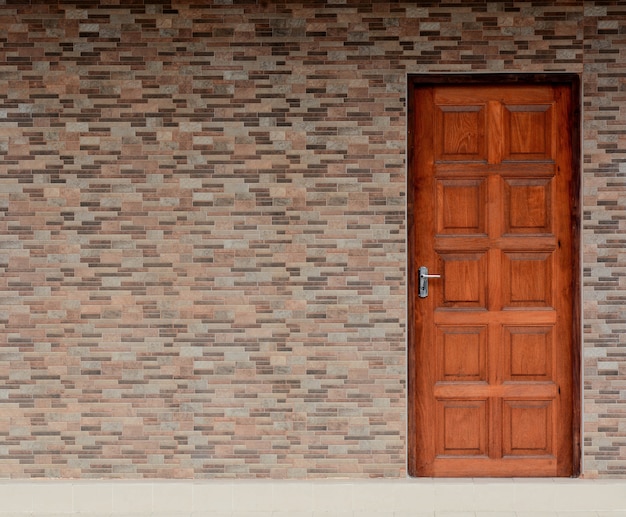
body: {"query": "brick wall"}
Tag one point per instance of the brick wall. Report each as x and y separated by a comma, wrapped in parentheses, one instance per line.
(604, 238)
(202, 239)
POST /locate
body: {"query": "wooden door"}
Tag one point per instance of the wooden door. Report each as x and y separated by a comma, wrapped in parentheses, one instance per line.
(492, 202)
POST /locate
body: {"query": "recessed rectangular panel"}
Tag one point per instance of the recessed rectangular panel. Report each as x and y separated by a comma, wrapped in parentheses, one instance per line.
(461, 353)
(527, 279)
(528, 205)
(461, 133)
(527, 427)
(461, 206)
(463, 279)
(528, 353)
(528, 132)
(462, 427)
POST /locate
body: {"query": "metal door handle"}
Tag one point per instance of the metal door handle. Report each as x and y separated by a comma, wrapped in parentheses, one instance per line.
(423, 281)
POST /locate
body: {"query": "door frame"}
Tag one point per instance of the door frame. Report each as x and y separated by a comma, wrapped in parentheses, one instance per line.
(572, 81)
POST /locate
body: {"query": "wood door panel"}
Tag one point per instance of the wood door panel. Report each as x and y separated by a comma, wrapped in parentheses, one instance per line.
(492, 345)
(461, 131)
(528, 132)
(528, 205)
(462, 353)
(527, 279)
(462, 206)
(462, 427)
(527, 428)
(527, 352)
(463, 279)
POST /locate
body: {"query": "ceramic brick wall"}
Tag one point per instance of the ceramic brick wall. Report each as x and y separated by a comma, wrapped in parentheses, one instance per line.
(604, 238)
(202, 238)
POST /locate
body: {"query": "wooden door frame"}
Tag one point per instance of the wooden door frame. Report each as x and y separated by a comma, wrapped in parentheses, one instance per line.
(572, 81)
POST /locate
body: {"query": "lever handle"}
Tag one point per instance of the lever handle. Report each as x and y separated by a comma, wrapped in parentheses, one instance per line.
(423, 281)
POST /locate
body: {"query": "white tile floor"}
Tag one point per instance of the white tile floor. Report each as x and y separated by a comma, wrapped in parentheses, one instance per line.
(337, 498)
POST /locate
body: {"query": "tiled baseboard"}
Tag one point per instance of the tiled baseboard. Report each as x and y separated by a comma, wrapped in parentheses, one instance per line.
(375, 498)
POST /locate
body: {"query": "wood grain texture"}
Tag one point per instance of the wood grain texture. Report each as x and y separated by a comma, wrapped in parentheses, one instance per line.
(493, 343)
